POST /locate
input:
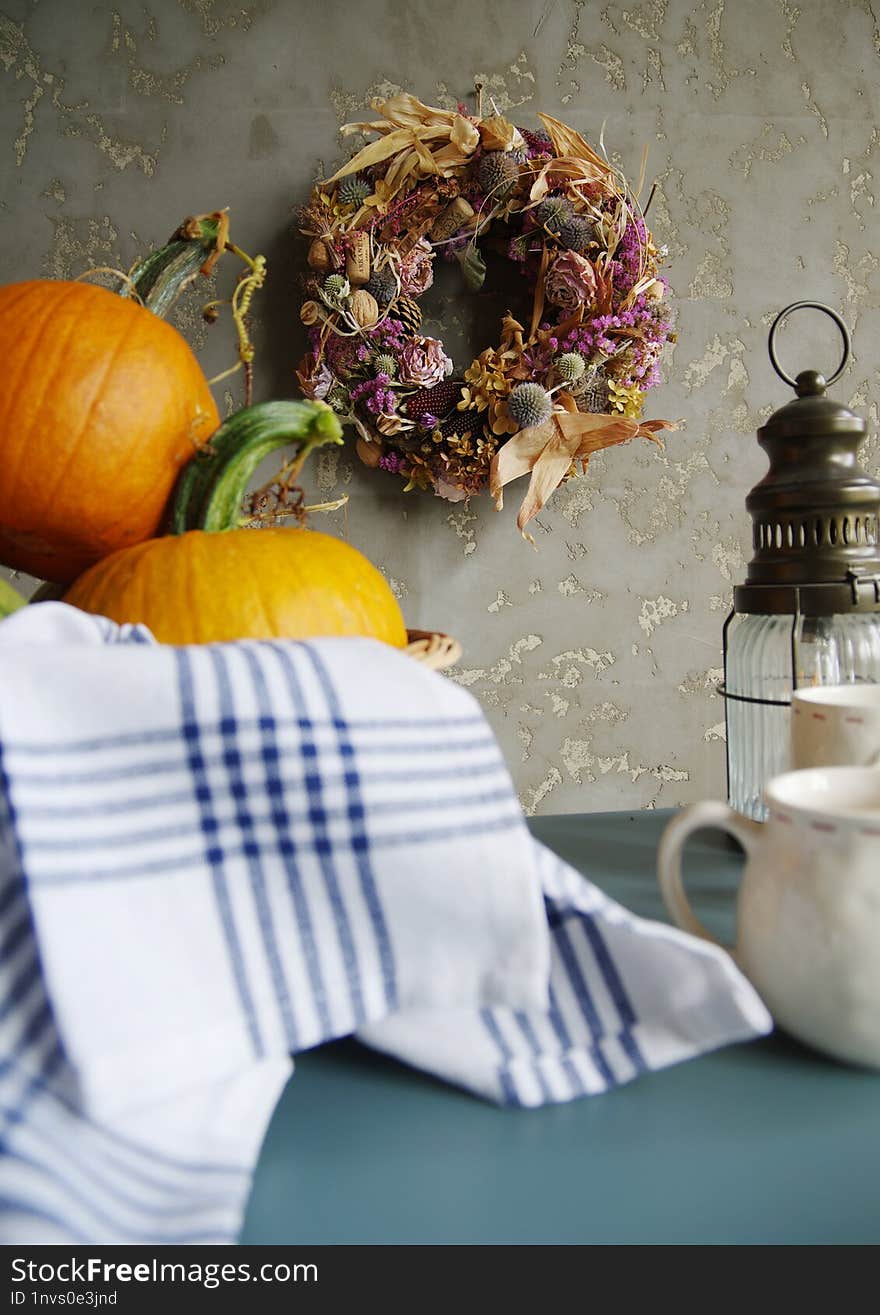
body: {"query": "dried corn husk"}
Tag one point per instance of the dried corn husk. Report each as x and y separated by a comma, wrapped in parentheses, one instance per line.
(548, 451)
(424, 139)
(498, 134)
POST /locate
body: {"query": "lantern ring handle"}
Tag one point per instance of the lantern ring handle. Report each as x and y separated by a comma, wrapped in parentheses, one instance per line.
(807, 305)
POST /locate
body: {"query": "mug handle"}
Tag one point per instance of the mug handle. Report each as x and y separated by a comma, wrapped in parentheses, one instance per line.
(708, 813)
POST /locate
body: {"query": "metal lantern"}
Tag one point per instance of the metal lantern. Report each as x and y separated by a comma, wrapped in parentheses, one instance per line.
(809, 611)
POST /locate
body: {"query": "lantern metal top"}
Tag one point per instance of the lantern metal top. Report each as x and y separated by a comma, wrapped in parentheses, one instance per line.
(809, 381)
(816, 512)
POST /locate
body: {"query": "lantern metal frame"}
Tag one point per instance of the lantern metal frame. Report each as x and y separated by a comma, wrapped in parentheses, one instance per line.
(823, 576)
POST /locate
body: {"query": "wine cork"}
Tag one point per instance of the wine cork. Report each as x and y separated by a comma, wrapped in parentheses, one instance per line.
(357, 259)
(454, 217)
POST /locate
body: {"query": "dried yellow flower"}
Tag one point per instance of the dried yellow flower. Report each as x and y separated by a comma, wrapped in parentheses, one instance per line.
(626, 400)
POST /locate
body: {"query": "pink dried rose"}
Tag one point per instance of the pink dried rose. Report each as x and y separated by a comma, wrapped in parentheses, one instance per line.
(417, 269)
(451, 492)
(570, 281)
(423, 362)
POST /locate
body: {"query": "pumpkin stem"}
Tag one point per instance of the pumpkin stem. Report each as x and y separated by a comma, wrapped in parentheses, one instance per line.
(194, 248)
(161, 276)
(211, 487)
(10, 599)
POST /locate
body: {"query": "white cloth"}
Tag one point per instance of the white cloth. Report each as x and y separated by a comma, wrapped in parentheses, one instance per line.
(212, 858)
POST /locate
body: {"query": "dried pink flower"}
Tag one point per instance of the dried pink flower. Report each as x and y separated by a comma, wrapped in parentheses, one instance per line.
(424, 362)
(570, 281)
(417, 269)
(315, 384)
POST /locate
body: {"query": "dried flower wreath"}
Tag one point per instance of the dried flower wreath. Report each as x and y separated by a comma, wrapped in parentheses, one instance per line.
(547, 396)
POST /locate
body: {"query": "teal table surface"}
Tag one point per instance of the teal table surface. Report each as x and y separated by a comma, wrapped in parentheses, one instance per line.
(763, 1143)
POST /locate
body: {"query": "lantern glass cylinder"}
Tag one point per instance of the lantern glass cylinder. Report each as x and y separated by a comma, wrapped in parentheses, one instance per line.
(766, 658)
(809, 610)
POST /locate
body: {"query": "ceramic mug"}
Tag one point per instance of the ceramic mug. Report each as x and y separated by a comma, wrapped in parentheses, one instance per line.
(835, 725)
(808, 909)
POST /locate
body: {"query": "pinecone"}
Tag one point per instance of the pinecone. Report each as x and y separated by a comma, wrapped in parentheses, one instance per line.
(436, 401)
(529, 404)
(353, 190)
(407, 311)
(497, 173)
(592, 391)
(577, 233)
(553, 213)
(382, 285)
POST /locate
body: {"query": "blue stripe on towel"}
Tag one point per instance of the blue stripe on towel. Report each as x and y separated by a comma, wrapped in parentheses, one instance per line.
(282, 819)
(616, 990)
(238, 788)
(212, 853)
(584, 997)
(524, 1023)
(510, 1095)
(322, 844)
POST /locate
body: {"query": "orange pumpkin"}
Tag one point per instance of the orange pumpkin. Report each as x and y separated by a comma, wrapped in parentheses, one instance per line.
(102, 404)
(199, 587)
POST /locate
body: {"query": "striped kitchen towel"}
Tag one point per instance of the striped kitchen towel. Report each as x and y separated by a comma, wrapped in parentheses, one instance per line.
(213, 858)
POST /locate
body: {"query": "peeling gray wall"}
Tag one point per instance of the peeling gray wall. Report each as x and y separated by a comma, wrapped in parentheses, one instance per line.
(596, 656)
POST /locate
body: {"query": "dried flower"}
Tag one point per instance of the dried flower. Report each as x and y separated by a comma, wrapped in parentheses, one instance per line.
(353, 190)
(334, 290)
(497, 174)
(577, 233)
(417, 269)
(315, 381)
(338, 399)
(570, 367)
(376, 395)
(626, 400)
(382, 284)
(384, 363)
(530, 404)
(484, 380)
(553, 213)
(570, 281)
(424, 362)
(451, 492)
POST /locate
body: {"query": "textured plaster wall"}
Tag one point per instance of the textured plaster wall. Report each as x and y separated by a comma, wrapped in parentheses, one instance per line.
(595, 657)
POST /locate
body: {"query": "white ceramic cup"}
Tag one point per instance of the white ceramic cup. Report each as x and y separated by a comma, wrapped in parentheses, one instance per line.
(835, 725)
(808, 909)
